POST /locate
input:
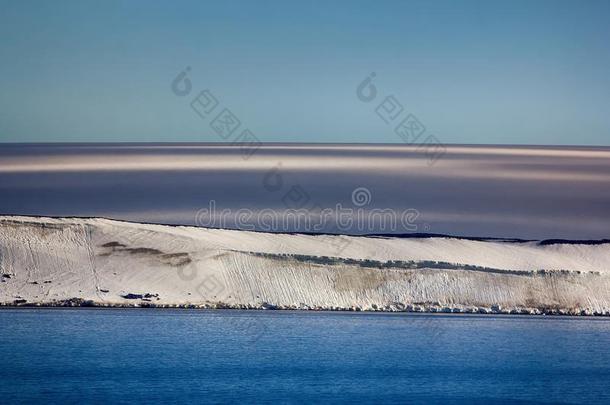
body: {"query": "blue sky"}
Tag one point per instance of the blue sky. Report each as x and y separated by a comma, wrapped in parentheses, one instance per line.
(524, 72)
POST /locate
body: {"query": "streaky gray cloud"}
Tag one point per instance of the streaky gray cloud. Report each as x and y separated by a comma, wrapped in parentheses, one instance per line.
(496, 191)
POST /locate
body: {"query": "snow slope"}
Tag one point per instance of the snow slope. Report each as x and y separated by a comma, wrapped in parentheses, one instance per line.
(46, 261)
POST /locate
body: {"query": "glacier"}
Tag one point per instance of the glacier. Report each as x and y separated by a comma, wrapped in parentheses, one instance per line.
(102, 262)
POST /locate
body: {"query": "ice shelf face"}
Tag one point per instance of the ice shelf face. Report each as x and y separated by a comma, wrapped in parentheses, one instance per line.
(67, 261)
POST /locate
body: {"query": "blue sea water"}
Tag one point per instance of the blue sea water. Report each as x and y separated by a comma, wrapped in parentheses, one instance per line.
(179, 356)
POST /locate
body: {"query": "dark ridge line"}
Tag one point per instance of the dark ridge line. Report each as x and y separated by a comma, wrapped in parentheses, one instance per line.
(415, 235)
(415, 265)
(422, 235)
(543, 242)
(573, 242)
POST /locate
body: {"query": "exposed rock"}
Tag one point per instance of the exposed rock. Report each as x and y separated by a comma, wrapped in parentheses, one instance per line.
(131, 296)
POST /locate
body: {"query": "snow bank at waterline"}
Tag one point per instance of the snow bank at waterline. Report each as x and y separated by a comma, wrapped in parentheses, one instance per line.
(71, 261)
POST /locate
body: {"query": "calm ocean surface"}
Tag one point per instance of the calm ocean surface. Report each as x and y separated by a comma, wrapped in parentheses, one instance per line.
(119, 355)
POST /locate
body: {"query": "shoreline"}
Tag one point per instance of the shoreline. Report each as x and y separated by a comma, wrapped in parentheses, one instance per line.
(102, 263)
(394, 308)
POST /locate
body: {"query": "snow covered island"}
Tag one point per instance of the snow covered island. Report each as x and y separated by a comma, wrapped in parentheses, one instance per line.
(100, 262)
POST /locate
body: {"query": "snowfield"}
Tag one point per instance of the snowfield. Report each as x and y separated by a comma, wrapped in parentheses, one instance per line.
(72, 261)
